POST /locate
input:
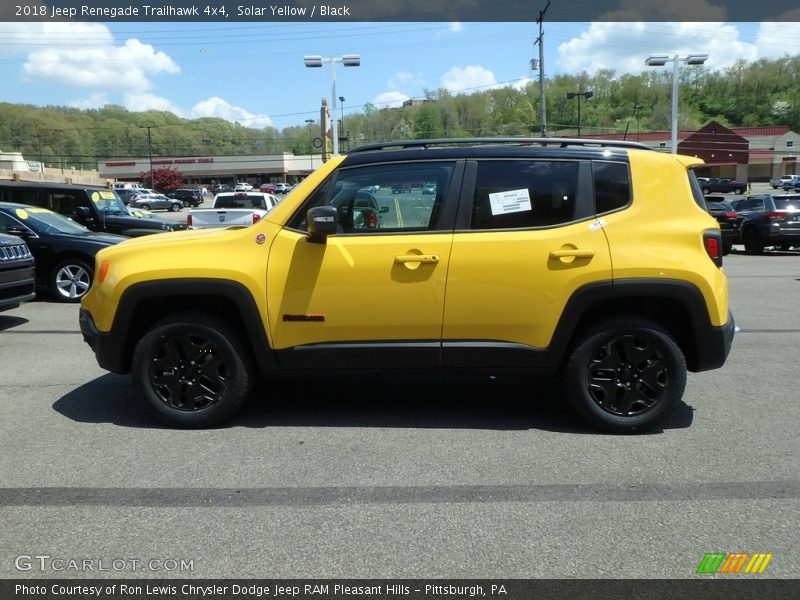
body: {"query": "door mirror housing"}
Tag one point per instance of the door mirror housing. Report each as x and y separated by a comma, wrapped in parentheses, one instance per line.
(322, 221)
(83, 214)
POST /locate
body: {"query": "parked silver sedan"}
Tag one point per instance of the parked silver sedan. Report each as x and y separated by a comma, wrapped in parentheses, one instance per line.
(155, 202)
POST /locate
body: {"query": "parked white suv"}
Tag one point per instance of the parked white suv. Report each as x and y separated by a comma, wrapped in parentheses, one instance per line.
(243, 187)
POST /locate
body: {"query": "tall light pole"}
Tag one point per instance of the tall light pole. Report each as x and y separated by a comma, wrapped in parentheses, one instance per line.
(311, 145)
(341, 107)
(587, 95)
(348, 60)
(659, 60)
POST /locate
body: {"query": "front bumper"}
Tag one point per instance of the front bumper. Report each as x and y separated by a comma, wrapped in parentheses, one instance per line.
(108, 351)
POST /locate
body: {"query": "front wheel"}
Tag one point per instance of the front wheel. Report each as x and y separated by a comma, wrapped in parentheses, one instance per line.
(145, 207)
(737, 191)
(176, 207)
(193, 369)
(70, 280)
(625, 375)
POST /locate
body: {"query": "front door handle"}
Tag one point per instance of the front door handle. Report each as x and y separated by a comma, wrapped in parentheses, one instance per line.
(426, 259)
(572, 253)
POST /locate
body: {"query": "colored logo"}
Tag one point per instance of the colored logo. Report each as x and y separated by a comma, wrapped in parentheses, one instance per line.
(734, 562)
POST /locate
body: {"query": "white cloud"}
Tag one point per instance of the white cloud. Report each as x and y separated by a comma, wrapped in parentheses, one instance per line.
(468, 79)
(623, 47)
(393, 99)
(94, 100)
(24, 38)
(143, 101)
(100, 68)
(222, 109)
(775, 40)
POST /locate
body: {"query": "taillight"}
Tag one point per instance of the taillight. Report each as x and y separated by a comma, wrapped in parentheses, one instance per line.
(731, 215)
(189, 220)
(712, 241)
(776, 215)
(372, 220)
(256, 218)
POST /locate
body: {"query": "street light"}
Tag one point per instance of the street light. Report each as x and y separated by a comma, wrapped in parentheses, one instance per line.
(348, 60)
(587, 95)
(659, 60)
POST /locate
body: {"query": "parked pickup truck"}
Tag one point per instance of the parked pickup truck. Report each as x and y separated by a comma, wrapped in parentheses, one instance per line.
(232, 209)
(720, 185)
(787, 181)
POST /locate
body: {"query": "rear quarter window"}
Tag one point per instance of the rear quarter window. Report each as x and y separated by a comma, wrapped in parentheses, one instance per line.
(612, 186)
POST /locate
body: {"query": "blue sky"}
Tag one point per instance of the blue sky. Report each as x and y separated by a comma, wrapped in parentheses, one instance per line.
(253, 73)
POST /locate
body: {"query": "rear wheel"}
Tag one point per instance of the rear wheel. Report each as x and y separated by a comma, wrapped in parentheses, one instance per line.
(193, 369)
(752, 241)
(625, 375)
(145, 207)
(737, 191)
(176, 207)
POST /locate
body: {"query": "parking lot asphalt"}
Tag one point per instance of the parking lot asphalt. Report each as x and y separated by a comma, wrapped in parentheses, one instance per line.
(416, 476)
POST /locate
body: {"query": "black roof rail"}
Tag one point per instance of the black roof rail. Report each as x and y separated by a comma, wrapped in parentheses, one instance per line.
(498, 141)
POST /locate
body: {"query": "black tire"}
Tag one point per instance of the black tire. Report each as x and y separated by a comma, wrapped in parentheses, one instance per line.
(726, 249)
(145, 207)
(70, 280)
(752, 241)
(193, 369)
(737, 191)
(175, 207)
(706, 191)
(625, 375)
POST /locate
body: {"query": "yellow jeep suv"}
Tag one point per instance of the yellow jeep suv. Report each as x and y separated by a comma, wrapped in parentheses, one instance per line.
(596, 261)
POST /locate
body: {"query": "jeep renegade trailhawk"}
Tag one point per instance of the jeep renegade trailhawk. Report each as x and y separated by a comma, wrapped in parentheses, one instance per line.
(594, 260)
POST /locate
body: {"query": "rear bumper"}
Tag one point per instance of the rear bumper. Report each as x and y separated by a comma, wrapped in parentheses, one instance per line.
(714, 344)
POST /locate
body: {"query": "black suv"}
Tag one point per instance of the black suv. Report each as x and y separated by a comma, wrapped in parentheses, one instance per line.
(767, 220)
(721, 185)
(723, 212)
(98, 209)
(189, 197)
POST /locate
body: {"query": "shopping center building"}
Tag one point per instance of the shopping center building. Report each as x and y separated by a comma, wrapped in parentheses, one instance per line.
(208, 170)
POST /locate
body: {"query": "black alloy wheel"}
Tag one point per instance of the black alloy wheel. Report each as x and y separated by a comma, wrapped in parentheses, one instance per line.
(193, 369)
(625, 375)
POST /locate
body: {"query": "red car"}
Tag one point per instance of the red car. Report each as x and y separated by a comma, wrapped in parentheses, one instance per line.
(267, 188)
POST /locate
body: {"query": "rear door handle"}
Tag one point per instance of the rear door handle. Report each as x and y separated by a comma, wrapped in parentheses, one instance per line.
(572, 252)
(426, 259)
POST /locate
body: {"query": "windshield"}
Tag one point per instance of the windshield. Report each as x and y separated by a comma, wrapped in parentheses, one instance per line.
(42, 220)
(107, 202)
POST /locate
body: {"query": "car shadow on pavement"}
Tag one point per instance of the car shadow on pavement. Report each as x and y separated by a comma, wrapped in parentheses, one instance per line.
(10, 321)
(505, 403)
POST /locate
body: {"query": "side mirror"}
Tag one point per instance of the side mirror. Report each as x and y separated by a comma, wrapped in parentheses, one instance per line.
(82, 214)
(384, 209)
(322, 222)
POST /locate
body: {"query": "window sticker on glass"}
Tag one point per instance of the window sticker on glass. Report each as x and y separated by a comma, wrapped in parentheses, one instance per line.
(511, 201)
(97, 196)
(22, 213)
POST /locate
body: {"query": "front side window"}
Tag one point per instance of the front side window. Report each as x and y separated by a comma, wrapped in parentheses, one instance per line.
(524, 193)
(383, 198)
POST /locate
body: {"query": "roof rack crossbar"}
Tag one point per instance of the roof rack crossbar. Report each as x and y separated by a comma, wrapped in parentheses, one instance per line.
(520, 141)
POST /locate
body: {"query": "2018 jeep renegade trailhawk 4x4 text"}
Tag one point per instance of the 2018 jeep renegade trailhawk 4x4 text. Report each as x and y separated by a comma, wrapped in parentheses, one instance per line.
(594, 260)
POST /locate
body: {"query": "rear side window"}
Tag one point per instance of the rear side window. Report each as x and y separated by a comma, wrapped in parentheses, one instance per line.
(787, 203)
(612, 187)
(513, 194)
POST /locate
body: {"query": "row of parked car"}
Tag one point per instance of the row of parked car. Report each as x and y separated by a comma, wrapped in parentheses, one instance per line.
(758, 221)
(51, 232)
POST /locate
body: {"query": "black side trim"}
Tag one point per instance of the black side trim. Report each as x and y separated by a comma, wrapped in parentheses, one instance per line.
(146, 302)
(417, 354)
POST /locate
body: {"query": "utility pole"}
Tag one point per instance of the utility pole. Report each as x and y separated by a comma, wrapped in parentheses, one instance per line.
(542, 100)
(150, 156)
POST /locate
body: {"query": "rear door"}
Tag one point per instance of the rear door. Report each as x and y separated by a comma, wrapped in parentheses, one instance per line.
(525, 241)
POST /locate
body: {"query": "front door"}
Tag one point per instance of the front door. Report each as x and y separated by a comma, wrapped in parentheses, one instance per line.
(372, 296)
